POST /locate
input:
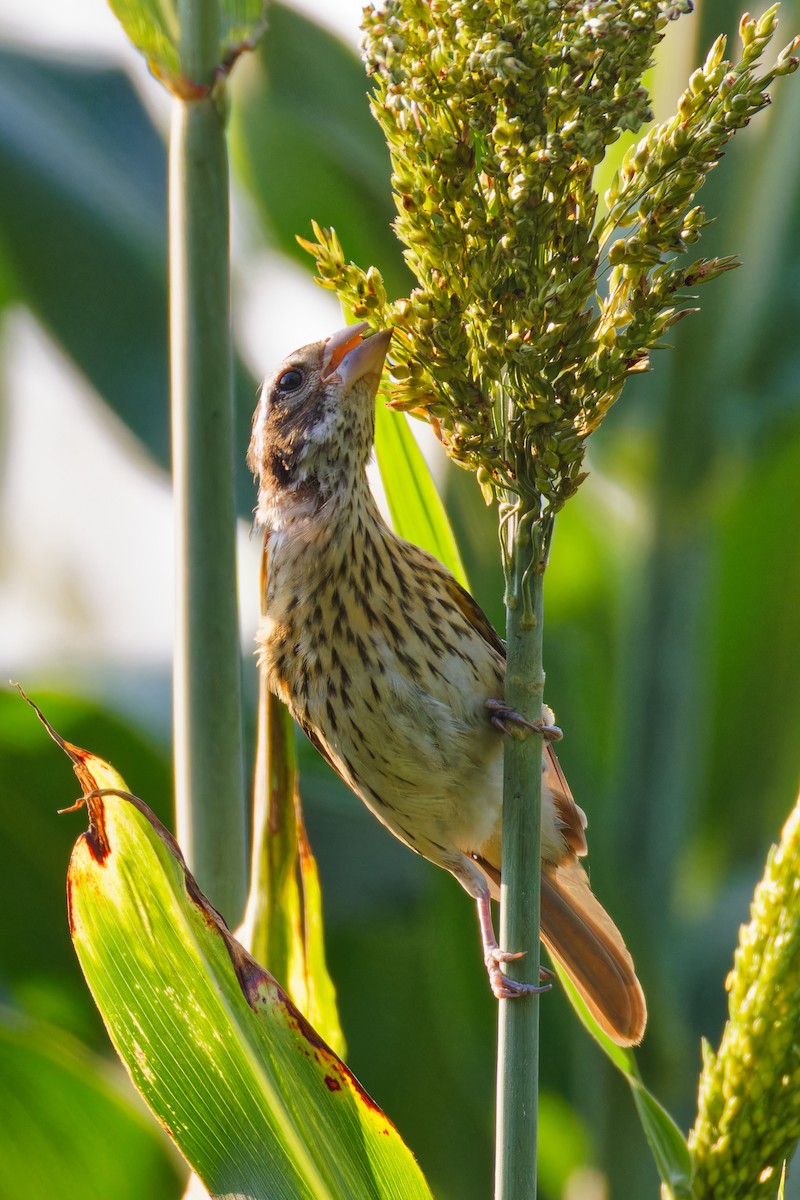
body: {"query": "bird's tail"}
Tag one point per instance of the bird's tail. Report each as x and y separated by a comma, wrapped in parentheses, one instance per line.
(583, 939)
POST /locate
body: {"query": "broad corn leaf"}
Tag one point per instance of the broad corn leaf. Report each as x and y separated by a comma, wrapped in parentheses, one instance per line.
(253, 1098)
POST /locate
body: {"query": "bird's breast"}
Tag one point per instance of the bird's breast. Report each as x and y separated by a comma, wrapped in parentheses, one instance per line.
(365, 645)
(388, 676)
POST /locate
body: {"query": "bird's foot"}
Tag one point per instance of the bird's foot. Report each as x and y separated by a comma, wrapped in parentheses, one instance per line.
(503, 987)
(508, 720)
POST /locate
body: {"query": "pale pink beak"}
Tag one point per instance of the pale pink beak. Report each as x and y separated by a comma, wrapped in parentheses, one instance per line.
(352, 358)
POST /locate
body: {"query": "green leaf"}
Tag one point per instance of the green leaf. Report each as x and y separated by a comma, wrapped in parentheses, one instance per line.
(304, 143)
(667, 1144)
(417, 511)
(154, 28)
(52, 1094)
(83, 237)
(82, 226)
(253, 1098)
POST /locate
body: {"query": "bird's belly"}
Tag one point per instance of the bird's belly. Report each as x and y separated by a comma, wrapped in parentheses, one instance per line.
(433, 775)
(441, 774)
(402, 718)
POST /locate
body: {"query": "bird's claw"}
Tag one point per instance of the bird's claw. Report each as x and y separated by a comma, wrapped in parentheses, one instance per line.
(506, 719)
(505, 988)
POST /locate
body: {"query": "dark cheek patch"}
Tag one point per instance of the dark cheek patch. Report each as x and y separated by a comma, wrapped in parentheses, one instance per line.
(283, 467)
(289, 431)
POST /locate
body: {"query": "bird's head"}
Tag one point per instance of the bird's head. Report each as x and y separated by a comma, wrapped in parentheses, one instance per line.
(314, 426)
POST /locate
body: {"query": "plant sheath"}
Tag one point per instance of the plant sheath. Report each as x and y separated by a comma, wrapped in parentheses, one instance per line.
(209, 781)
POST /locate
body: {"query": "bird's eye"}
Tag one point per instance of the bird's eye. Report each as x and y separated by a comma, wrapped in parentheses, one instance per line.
(290, 380)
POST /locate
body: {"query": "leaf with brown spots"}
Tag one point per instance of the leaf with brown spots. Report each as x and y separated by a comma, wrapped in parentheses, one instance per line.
(252, 1096)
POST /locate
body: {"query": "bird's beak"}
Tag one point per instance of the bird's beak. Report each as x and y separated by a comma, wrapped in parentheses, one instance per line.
(352, 358)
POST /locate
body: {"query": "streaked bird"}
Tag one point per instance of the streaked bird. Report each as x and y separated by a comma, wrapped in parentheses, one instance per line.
(396, 675)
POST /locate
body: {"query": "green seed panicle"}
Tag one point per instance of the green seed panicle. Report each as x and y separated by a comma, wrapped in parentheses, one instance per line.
(535, 302)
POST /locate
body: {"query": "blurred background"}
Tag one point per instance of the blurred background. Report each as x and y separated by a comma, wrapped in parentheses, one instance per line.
(673, 621)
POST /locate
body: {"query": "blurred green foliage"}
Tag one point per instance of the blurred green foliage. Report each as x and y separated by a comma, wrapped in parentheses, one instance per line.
(305, 144)
(673, 628)
(67, 1130)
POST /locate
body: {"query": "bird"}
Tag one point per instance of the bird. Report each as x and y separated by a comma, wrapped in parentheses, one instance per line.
(396, 675)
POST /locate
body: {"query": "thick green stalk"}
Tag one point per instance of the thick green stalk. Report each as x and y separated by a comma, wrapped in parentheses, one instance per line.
(209, 780)
(520, 896)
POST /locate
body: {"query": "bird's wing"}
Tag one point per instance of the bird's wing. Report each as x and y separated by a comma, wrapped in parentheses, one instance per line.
(318, 744)
(571, 818)
(475, 615)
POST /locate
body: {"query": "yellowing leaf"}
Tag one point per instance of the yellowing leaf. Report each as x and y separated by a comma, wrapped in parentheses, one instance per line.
(254, 1099)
